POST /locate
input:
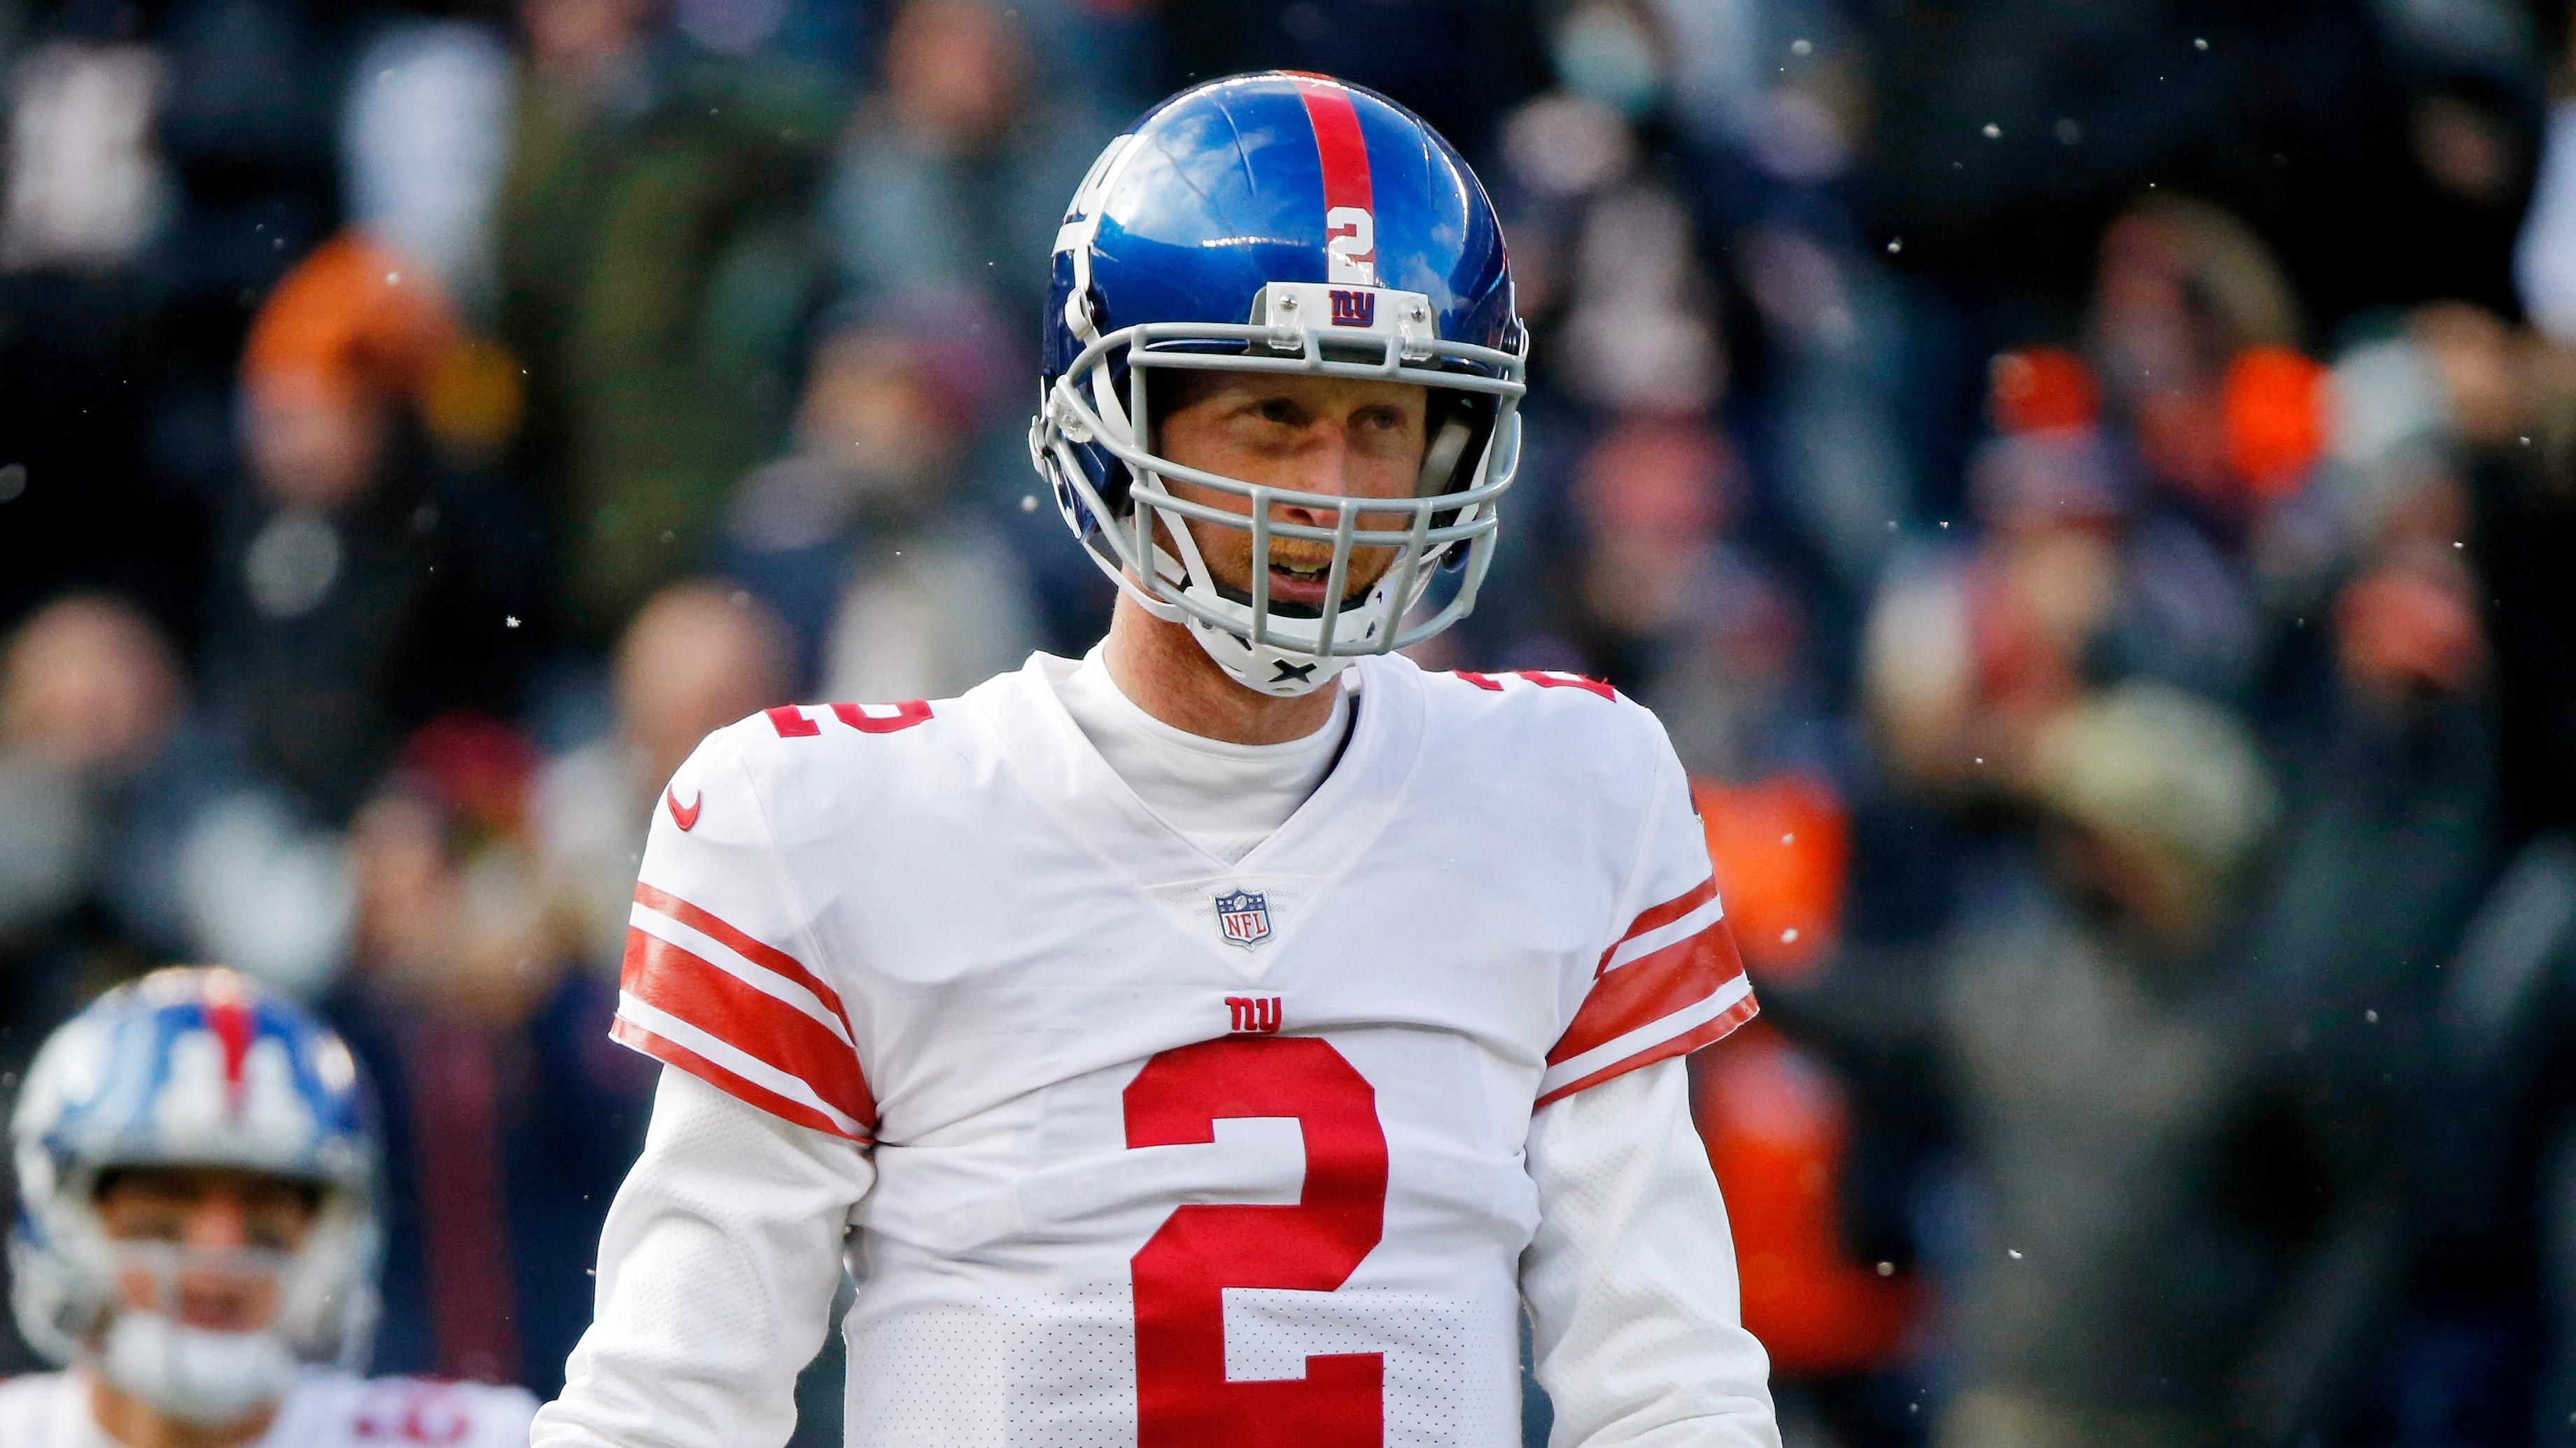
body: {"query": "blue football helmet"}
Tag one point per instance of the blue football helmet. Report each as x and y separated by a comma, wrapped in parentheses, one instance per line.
(1281, 223)
(193, 1067)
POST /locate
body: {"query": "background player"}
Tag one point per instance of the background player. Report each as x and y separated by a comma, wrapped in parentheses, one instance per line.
(960, 973)
(197, 1235)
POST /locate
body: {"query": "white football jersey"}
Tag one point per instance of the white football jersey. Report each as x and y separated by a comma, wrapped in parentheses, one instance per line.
(1170, 1151)
(325, 1410)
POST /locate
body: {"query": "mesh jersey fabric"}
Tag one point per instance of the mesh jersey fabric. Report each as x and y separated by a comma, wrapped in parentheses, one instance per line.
(1144, 1174)
(717, 1264)
(1630, 1277)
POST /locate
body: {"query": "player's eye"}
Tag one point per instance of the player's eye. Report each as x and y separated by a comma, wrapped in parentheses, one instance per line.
(157, 1227)
(1279, 410)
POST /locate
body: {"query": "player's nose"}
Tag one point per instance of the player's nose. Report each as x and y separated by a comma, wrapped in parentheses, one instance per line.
(218, 1220)
(1321, 465)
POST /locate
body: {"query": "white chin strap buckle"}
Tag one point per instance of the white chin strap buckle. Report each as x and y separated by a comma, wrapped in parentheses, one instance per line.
(1280, 673)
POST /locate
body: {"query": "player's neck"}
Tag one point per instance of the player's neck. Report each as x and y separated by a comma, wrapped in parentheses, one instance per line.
(137, 1424)
(1165, 672)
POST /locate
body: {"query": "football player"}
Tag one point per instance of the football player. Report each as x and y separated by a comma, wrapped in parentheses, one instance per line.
(1216, 1039)
(197, 1235)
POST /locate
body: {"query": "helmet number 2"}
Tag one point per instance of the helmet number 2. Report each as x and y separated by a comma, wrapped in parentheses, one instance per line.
(1350, 246)
(1182, 1394)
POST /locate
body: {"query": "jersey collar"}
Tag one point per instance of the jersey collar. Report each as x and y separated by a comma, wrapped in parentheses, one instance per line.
(1102, 815)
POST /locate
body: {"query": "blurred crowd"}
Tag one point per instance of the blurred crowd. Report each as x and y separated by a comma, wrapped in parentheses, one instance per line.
(2091, 490)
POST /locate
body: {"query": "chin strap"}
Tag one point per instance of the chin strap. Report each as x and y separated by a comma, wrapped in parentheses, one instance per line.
(1280, 673)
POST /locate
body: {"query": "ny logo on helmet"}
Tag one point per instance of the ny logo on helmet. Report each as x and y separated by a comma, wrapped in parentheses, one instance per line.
(1354, 309)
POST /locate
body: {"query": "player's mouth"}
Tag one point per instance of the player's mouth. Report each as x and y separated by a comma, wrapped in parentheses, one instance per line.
(1299, 584)
(1297, 590)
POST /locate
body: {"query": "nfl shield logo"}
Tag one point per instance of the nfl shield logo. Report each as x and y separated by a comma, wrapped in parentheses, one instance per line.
(1243, 917)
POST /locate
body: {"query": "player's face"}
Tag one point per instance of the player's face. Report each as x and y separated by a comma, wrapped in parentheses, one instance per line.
(1344, 437)
(231, 1228)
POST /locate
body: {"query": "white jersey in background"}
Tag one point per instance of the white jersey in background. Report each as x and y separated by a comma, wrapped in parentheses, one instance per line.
(1169, 1147)
(325, 1410)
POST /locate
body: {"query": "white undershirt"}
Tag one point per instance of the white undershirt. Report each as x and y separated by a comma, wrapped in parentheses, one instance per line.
(1224, 798)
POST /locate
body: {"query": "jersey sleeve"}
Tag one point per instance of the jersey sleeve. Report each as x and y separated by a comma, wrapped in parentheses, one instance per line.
(1668, 981)
(722, 977)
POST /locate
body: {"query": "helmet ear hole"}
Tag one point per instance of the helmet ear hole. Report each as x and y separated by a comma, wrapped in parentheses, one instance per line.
(1461, 428)
(1116, 483)
(1445, 443)
(1112, 478)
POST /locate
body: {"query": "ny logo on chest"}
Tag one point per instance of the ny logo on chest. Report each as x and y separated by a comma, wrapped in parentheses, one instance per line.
(1252, 1015)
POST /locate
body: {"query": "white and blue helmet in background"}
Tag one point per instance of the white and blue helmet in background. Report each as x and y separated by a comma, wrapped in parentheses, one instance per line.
(194, 1067)
(1282, 223)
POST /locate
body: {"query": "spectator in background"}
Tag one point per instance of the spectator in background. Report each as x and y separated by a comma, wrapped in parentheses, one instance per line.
(2183, 291)
(355, 596)
(508, 1117)
(1652, 495)
(96, 782)
(2092, 1009)
(654, 269)
(1606, 256)
(424, 146)
(2389, 776)
(1677, 604)
(163, 162)
(1971, 647)
(954, 165)
(871, 537)
(130, 835)
(696, 658)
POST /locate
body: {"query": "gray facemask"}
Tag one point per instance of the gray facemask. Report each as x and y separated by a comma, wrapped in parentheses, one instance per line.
(199, 1377)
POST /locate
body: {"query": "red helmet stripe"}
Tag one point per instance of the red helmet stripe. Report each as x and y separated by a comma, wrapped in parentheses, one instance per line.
(230, 1020)
(1338, 144)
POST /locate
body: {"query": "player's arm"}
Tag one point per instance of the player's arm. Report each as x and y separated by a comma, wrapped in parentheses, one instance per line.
(717, 1266)
(1631, 1277)
(721, 1252)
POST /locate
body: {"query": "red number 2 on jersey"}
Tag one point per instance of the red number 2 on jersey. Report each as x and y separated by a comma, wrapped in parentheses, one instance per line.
(1182, 1397)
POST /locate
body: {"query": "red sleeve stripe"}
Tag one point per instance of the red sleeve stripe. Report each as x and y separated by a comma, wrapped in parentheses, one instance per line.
(709, 950)
(1709, 914)
(768, 957)
(684, 986)
(1657, 917)
(628, 1030)
(1562, 1082)
(1650, 988)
